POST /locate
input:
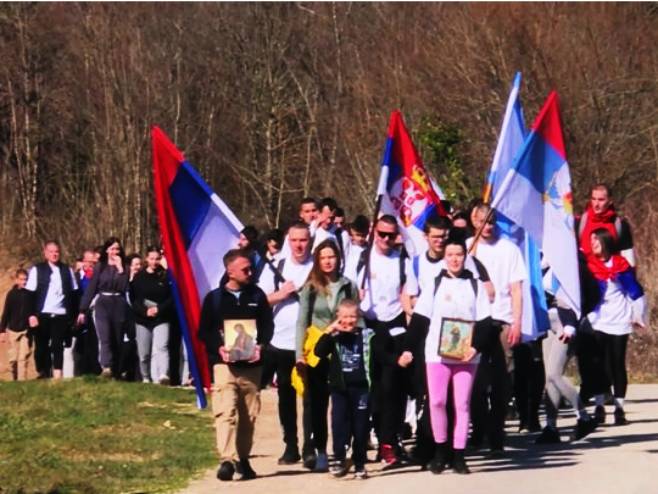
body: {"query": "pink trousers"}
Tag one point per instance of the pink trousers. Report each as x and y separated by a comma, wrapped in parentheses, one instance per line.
(438, 379)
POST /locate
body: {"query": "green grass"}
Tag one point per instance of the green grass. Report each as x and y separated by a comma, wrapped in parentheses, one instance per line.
(88, 435)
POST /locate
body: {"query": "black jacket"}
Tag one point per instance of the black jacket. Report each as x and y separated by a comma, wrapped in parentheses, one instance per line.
(220, 304)
(18, 309)
(154, 287)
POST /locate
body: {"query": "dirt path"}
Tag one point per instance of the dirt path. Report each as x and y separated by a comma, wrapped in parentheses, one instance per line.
(613, 459)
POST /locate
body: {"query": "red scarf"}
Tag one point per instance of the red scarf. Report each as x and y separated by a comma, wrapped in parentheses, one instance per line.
(605, 273)
(594, 221)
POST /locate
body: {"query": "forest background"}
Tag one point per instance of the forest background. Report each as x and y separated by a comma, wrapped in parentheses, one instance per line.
(276, 101)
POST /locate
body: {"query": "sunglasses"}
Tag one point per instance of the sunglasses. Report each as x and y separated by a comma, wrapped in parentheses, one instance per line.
(387, 235)
(246, 270)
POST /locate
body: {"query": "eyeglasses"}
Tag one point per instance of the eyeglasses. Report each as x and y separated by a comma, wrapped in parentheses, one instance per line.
(387, 235)
(246, 270)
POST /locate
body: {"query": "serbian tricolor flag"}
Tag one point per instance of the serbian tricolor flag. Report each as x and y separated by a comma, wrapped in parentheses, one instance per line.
(406, 190)
(197, 229)
(536, 195)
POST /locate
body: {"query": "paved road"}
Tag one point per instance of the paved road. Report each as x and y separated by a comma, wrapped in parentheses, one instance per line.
(620, 460)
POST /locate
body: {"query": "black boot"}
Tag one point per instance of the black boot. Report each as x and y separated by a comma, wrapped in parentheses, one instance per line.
(459, 463)
(438, 463)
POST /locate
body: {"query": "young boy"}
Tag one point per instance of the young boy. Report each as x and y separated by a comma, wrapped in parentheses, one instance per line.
(14, 325)
(349, 381)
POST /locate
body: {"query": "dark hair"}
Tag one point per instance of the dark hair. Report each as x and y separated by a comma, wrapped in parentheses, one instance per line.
(607, 241)
(308, 200)
(329, 202)
(437, 222)
(275, 234)
(19, 272)
(360, 224)
(339, 212)
(317, 279)
(389, 220)
(232, 255)
(153, 248)
(131, 257)
(299, 225)
(251, 234)
(457, 236)
(460, 214)
(106, 245)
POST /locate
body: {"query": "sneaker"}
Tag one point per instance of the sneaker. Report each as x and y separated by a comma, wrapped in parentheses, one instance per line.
(289, 457)
(389, 459)
(164, 380)
(321, 463)
(243, 468)
(549, 435)
(226, 471)
(338, 469)
(309, 460)
(620, 417)
(599, 414)
(106, 373)
(583, 428)
(373, 443)
(146, 381)
(360, 473)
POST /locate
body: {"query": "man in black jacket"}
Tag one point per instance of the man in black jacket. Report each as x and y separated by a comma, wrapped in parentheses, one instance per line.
(235, 394)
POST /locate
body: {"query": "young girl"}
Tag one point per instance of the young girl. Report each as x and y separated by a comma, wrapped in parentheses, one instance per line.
(622, 306)
(456, 295)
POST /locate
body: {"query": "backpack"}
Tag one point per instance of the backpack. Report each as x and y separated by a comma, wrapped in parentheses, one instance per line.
(439, 279)
(362, 263)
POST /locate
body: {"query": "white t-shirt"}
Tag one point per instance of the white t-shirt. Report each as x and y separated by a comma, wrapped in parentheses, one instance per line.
(352, 261)
(455, 298)
(287, 311)
(54, 302)
(382, 290)
(504, 263)
(614, 314)
(428, 270)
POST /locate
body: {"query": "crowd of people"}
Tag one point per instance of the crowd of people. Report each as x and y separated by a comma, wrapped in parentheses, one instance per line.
(340, 313)
(110, 315)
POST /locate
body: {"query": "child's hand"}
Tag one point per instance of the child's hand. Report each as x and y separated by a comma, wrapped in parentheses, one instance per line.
(334, 327)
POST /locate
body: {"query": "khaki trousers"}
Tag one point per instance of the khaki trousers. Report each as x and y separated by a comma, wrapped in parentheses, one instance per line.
(19, 353)
(235, 405)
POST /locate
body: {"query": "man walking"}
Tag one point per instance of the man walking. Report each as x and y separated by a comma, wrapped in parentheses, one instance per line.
(235, 392)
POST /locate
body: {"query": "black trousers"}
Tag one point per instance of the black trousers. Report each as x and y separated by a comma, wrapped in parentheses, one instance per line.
(529, 380)
(591, 363)
(284, 361)
(49, 340)
(613, 348)
(350, 420)
(316, 403)
(491, 392)
(111, 319)
(85, 350)
(391, 384)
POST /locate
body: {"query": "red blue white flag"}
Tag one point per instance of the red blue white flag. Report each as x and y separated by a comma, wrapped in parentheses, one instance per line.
(197, 229)
(536, 195)
(406, 189)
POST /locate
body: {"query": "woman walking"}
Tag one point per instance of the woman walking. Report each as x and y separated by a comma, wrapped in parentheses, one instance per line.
(110, 283)
(319, 300)
(152, 303)
(622, 306)
(445, 313)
